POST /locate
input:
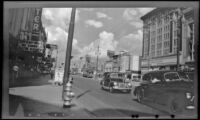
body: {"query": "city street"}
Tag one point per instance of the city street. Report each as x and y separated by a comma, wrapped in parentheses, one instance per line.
(90, 101)
(116, 104)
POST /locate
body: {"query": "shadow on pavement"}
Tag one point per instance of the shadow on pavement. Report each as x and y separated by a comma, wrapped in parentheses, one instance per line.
(23, 82)
(33, 108)
(119, 113)
(77, 97)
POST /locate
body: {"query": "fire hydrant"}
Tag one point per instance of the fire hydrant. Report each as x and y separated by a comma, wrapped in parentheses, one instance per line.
(68, 94)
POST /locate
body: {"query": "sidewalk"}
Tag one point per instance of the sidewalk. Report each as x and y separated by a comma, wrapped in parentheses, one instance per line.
(44, 102)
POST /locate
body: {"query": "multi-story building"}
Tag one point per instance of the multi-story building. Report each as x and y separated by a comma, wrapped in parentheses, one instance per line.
(122, 61)
(161, 28)
(51, 54)
(27, 37)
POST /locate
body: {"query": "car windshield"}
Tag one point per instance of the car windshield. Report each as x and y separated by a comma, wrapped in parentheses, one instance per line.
(171, 76)
(191, 76)
(174, 76)
(183, 76)
(116, 75)
(117, 80)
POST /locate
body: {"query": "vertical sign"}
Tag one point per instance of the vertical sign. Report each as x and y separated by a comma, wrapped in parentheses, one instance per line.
(36, 24)
(171, 38)
(149, 31)
(180, 33)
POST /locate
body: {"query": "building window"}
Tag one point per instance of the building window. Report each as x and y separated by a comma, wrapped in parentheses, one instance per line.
(175, 42)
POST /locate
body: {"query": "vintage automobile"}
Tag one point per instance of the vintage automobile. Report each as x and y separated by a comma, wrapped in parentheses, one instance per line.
(171, 89)
(87, 74)
(115, 81)
(190, 75)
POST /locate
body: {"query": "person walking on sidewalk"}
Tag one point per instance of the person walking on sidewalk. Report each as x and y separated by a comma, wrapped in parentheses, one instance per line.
(52, 73)
(15, 73)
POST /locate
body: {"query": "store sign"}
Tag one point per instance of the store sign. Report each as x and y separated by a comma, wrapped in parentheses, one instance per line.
(37, 21)
(25, 35)
(163, 61)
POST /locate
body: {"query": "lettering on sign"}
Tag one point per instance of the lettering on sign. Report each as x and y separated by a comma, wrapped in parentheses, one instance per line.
(37, 20)
(25, 35)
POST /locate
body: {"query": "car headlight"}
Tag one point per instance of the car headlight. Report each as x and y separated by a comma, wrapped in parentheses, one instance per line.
(188, 95)
(115, 83)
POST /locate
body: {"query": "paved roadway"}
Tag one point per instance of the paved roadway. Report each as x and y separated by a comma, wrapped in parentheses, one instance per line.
(121, 102)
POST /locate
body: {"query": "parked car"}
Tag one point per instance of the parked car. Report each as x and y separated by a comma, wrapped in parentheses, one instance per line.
(115, 81)
(190, 75)
(88, 74)
(171, 89)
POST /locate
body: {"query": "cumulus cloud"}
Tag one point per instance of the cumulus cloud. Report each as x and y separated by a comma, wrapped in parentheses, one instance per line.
(137, 36)
(132, 42)
(143, 11)
(137, 24)
(132, 15)
(58, 16)
(129, 13)
(94, 23)
(105, 41)
(102, 15)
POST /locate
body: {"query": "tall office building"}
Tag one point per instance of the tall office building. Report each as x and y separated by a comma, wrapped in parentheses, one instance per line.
(160, 34)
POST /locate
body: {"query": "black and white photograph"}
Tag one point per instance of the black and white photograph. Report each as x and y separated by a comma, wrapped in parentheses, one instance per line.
(100, 60)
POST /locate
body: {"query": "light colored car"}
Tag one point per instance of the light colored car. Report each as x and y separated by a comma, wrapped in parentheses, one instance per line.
(113, 82)
(59, 73)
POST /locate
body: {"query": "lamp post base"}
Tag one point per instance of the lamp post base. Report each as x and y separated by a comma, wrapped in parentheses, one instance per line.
(66, 106)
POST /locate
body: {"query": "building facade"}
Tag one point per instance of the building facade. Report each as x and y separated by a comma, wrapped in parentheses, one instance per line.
(27, 37)
(162, 27)
(122, 61)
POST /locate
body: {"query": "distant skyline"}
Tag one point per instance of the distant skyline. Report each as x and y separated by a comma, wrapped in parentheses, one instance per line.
(114, 29)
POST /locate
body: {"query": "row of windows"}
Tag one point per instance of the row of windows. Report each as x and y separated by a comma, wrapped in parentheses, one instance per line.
(159, 45)
(153, 33)
(175, 33)
(175, 42)
(166, 28)
(166, 36)
(153, 40)
(152, 47)
(159, 52)
(166, 51)
(166, 44)
(159, 30)
(159, 38)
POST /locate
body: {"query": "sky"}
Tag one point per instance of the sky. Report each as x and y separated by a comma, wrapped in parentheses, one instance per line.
(111, 28)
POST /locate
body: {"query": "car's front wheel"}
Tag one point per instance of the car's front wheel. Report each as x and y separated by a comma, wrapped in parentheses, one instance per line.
(128, 91)
(176, 105)
(139, 96)
(102, 87)
(111, 90)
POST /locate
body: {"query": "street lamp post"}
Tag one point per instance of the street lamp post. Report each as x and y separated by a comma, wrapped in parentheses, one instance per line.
(66, 84)
(97, 58)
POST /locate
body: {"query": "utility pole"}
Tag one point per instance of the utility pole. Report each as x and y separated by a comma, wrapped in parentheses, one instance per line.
(97, 58)
(68, 50)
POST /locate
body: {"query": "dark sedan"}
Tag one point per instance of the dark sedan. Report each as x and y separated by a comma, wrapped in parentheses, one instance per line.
(171, 89)
(115, 81)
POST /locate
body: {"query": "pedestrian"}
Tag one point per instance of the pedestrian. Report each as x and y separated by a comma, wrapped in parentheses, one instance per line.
(15, 72)
(52, 73)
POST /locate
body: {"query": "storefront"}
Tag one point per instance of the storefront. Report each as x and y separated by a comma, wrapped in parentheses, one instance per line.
(162, 63)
